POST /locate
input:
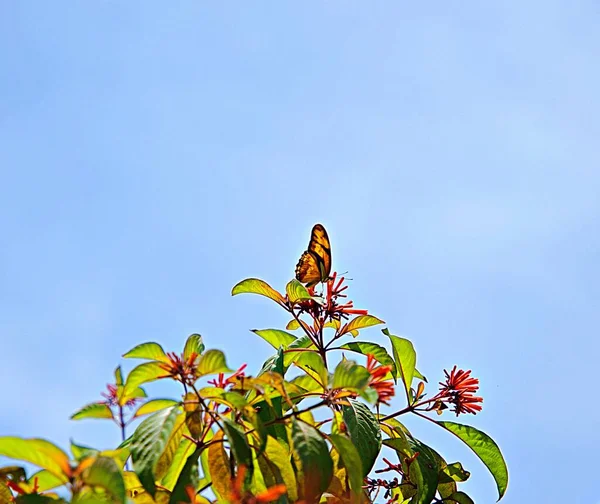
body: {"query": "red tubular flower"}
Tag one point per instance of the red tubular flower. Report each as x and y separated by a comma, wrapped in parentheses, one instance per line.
(385, 388)
(333, 309)
(458, 390)
(222, 382)
(239, 496)
(180, 368)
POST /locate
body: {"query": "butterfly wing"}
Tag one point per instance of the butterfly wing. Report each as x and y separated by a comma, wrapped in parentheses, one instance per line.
(307, 269)
(315, 264)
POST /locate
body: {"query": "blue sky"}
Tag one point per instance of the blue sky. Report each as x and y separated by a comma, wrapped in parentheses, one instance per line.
(153, 154)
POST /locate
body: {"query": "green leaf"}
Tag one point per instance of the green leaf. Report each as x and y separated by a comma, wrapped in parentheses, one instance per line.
(150, 351)
(153, 406)
(259, 435)
(148, 443)
(193, 345)
(275, 337)
(118, 376)
(238, 443)
(456, 472)
(211, 362)
(80, 452)
(419, 376)
(256, 286)
(485, 448)
(39, 452)
(360, 322)
(405, 357)
(459, 498)
(296, 292)
(429, 469)
(44, 499)
(93, 410)
(377, 351)
(105, 473)
(274, 364)
(314, 457)
(164, 462)
(184, 450)
(189, 477)
(352, 462)
(147, 372)
(364, 432)
(349, 375)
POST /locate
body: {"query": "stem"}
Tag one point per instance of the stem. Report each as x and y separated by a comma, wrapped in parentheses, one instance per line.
(310, 336)
(397, 413)
(214, 416)
(296, 413)
(122, 424)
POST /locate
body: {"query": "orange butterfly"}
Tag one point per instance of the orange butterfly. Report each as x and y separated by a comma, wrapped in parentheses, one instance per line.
(314, 265)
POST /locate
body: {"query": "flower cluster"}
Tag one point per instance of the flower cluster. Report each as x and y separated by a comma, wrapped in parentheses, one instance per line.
(384, 388)
(180, 368)
(222, 382)
(112, 397)
(458, 390)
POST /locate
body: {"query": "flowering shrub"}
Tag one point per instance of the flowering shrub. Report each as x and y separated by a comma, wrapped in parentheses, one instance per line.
(308, 427)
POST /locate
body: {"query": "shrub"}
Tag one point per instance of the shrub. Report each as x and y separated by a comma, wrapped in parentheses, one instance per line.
(308, 427)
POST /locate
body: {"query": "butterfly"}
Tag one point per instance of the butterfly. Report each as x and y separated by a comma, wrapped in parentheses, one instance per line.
(314, 265)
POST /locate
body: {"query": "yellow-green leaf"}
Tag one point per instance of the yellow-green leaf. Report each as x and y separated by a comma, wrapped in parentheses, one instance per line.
(275, 337)
(93, 410)
(312, 364)
(154, 405)
(292, 325)
(405, 357)
(184, 450)
(349, 375)
(279, 459)
(150, 351)
(296, 292)
(105, 473)
(148, 444)
(352, 463)
(193, 345)
(219, 468)
(361, 322)
(211, 362)
(39, 452)
(257, 286)
(147, 372)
